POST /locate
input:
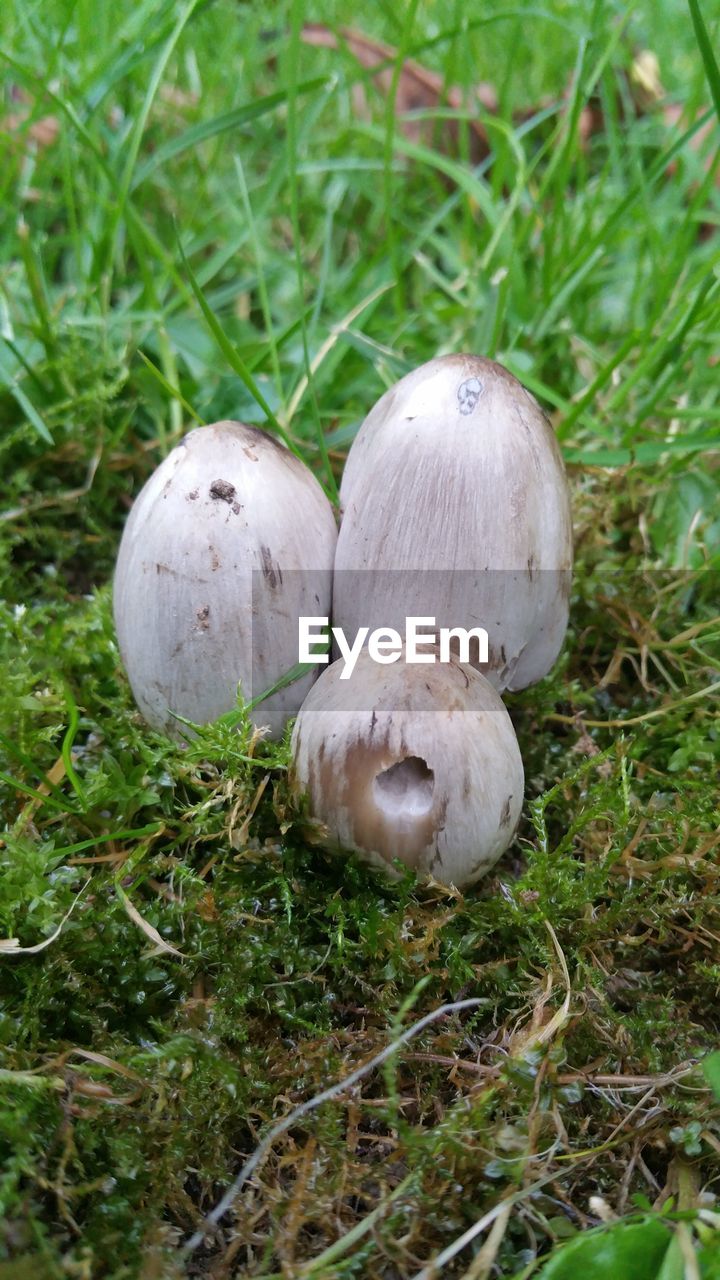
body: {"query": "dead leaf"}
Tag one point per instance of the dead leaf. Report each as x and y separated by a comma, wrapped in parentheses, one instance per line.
(645, 76)
(101, 1060)
(176, 97)
(42, 132)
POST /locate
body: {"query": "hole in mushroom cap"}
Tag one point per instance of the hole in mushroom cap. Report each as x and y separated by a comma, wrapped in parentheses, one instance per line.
(405, 790)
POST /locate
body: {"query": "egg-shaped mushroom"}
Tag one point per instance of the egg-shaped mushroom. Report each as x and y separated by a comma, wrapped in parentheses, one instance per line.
(415, 762)
(230, 541)
(456, 506)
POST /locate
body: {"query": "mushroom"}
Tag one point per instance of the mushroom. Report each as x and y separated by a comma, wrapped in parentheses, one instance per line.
(456, 507)
(414, 762)
(228, 544)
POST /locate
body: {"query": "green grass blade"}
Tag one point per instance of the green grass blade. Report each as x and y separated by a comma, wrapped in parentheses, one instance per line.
(262, 281)
(206, 129)
(172, 391)
(134, 143)
(17, 754)
(139, 229)
(27, 790)
(30, 412)
(67, 745)
(712, 71)
(646, 453)
(656, 170)
(132, 833)
(231, 354)
(297, 17)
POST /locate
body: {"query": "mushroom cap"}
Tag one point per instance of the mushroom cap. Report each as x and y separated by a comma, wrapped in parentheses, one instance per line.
(229, 542)
(416, 762)
(456, 505)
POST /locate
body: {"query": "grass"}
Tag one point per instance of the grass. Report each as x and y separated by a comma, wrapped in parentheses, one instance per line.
(207, 228)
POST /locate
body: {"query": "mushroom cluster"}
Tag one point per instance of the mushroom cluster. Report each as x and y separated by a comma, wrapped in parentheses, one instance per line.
(455, 515)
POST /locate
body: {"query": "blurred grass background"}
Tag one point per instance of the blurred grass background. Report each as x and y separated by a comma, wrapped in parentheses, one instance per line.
(202, 217)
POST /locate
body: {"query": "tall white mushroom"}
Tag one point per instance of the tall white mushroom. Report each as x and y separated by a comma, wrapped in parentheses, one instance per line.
(229, 542)
(419, 763)
(456, 506)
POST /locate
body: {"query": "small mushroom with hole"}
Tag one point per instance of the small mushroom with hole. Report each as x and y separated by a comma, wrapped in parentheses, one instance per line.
(456, 507)
(415, 762)
(231, 540)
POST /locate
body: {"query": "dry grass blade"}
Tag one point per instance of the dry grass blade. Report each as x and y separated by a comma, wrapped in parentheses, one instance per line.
(239, 838)
(559, 1018)
(484, 1260)
(539, 1032)
(619, 723)
(335, 334)
(101, 1060)
(148, 929)
(433, 1270)
(317, 1266)
(11, 946)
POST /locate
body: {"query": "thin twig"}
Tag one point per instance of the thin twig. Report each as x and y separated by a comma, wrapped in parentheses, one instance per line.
(213, 1218)
(627, 1082)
